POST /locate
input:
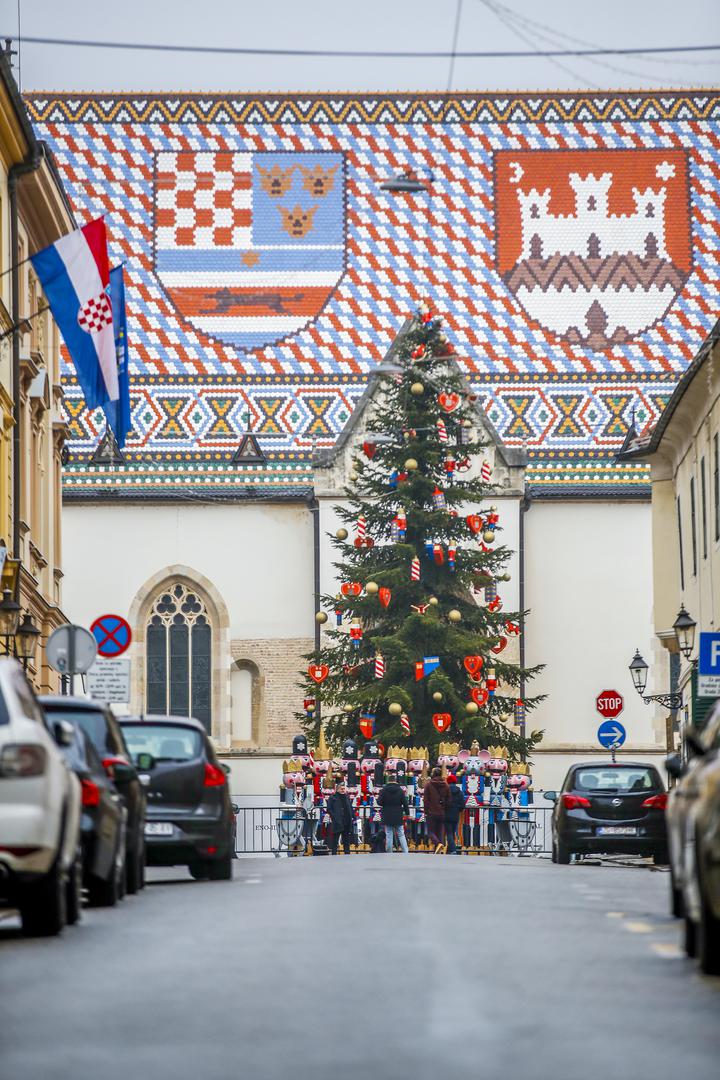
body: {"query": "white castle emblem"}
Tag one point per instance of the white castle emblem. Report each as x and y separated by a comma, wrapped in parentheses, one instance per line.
(594, 277)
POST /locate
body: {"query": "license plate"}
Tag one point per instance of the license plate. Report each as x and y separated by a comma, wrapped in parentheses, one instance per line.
(158, 828)
(616, 830)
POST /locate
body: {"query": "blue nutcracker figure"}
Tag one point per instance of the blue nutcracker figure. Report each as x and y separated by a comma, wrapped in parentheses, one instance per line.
(474, 763)
(496, 782)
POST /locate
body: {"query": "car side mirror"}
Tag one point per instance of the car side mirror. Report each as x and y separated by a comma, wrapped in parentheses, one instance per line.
(123, 774)
(64, 733)
(692, 741)
(226, 768)
(551, 796)
(674, 766)
(145, 761)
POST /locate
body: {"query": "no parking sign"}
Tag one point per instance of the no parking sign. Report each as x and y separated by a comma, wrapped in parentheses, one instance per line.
(113, 635)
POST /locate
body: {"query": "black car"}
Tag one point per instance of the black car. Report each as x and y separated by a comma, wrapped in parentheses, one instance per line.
(99, 722)
(189, 814)
(102, 823)
(609, 809)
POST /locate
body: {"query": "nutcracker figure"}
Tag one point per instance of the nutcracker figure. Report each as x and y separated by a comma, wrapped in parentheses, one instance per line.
(418, 774)
(474, 763)
(371, 780)
(448, 758)
(396, 764)
(497, 768)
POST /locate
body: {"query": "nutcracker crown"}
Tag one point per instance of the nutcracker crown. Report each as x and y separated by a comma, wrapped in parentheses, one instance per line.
(397, 752)
(292, 765)
(417, 753)
(519, 768)
(498, 752)
(449, 749)
(322, 750)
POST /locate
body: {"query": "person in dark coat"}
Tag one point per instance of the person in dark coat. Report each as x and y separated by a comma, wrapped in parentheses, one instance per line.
(342, 817)
(394, 806)
(435, 800)
(455, 806)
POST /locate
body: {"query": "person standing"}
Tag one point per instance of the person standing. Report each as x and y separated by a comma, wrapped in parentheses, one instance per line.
(394, 806)
(435, 800)
(342, 817)
(456, 804)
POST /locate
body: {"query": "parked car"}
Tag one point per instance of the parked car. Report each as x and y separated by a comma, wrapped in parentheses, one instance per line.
(99, 722)
(606, 808)
(40, 854)
(693, 817)
(189, 815)
(103, 823)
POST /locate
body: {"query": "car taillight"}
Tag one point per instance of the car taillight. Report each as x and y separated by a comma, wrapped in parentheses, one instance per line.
(90, 793)
(22, 759)
(214, 777)
(109, 764)
(659, 802)
(574, 802)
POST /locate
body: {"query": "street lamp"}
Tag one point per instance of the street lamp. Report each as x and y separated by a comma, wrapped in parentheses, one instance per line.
(9, 619)
(684, 627)
(639, 672)
(27, 636)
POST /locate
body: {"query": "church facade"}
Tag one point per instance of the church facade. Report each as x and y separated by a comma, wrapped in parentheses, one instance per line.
(571, 245)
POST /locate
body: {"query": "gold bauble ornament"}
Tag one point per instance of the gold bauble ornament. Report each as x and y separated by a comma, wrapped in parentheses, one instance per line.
(437, 696)
(454, 615)
(505, 577)
(395, 708)
(320, 617)
(411, 464)
(353, 476)
(493, 509)
(489, 536)
(417, 388)
(348, 708)
(471, 707)
(342, 534)
(371, 588)
(467, 423)
(433, 600)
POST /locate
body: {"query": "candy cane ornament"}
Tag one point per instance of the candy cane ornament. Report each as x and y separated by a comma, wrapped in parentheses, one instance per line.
(415, 569)
(379, 666)
(405, 723)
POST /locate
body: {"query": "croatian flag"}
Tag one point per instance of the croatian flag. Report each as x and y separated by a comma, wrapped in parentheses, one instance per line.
(75, 275)
(117, 413)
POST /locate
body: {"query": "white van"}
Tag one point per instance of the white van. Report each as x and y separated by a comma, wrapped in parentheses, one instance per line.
(40, 860)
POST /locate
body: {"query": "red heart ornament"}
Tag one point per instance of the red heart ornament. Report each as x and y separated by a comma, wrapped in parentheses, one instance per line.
(449, 402)
(473, 664)
(500, 645)
(318, 672)
(479, 695)
(442, 721)
(369, 449)
(474, 522)
(384, 596)
(351, 588)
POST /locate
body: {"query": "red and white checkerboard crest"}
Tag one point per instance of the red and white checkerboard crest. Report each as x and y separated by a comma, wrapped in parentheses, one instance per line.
(249, 246)
(95, 314)
(594, 244)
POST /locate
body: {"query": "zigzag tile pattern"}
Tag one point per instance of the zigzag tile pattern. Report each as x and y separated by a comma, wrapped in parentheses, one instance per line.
(562, 399)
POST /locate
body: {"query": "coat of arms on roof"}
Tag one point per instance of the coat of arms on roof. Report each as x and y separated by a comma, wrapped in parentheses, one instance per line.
(249, 246)
(594, 244)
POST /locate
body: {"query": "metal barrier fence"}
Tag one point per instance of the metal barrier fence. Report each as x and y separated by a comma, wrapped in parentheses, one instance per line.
(290, 830)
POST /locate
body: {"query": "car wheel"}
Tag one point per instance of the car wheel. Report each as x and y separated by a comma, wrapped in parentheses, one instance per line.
(73, 891)
(690, 937)
(221, 870)
(563, 853)
(106, 893)
(43, 905)
(199, 871)
(677, 907)
(135, 865)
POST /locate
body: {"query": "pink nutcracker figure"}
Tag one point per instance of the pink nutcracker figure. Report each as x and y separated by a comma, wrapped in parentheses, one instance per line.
(497, 768)
(418, 774)
(371, 780)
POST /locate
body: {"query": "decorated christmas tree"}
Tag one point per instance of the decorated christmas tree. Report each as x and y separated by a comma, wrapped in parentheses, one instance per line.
(419, 642)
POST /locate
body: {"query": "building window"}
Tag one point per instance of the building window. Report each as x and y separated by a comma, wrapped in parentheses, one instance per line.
(703, 506)
(680, 541)
(716, 487)
(178, 644)
(693, 526)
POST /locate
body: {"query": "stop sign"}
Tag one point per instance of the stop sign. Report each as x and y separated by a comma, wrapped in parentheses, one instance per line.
(609, 703)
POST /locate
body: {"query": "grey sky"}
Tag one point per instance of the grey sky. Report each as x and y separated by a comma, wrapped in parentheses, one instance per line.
(371, 24)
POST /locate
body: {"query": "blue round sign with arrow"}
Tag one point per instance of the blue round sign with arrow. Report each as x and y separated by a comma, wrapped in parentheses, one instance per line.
(611, 734)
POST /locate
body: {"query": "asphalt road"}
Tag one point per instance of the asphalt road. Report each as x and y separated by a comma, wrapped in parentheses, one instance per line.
(369, 966)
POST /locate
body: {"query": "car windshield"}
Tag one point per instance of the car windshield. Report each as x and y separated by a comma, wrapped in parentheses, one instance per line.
(625, 780)
(164, 741)
(92, 722)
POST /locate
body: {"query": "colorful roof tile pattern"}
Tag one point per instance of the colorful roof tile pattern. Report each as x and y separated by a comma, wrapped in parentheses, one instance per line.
(572, 244)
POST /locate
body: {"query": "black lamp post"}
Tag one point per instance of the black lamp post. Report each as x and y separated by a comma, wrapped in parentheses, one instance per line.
(684, 627)
(27, 636)
(9, 619)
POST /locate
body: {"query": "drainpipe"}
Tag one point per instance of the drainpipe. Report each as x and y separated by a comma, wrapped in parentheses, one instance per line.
(314, 508)
(31, 163)
(524, 507)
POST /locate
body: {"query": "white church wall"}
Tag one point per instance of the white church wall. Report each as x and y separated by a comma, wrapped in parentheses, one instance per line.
(589, 588)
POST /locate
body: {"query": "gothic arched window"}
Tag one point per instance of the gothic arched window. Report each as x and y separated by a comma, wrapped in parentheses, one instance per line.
(178, 644)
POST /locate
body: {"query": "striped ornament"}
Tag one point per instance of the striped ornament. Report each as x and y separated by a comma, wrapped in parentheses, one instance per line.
(361, 527)
(485, 472)
(405, 723)
(442, 430)
(415, 569)
(379, 666)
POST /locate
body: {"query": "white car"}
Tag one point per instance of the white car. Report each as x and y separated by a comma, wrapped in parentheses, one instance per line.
(40, 800)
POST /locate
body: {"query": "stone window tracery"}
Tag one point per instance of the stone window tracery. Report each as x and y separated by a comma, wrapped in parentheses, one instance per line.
(179, 655)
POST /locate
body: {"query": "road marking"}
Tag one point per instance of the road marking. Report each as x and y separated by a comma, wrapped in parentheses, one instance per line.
(638, 927)
(667, 949)
(252, 881)
(616, 914)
